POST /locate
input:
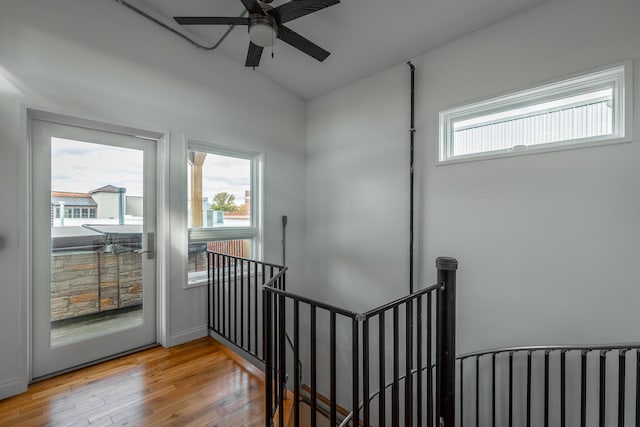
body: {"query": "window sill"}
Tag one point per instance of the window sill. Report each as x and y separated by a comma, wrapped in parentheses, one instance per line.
(570, 145)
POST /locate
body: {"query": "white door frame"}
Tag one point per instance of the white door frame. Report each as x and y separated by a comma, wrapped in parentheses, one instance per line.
(162, 137)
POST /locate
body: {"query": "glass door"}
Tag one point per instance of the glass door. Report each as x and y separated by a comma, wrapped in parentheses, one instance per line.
(93, 243)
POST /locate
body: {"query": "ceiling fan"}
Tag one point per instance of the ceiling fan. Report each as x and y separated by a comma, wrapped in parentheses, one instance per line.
(266, 23)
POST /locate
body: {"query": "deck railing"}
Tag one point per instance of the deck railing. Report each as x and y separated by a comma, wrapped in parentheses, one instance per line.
(390, 347)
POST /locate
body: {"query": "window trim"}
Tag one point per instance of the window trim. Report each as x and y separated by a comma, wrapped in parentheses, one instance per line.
(254, 232)
(618, 76)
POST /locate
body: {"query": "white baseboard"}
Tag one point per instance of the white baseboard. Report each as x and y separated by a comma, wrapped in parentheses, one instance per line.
(12, 388)
(188, 335)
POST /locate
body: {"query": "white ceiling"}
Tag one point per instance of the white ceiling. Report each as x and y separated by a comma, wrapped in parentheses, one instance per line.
(363, 36)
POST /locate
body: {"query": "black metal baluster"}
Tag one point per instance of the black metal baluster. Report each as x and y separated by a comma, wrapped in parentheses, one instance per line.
(225, 295)
(217, 290)
(622, 359)
(546, 388)
(235, 300)
(419, 361)
(408, 383)
(493, 389)
(255, 318)
(563, 388)
(268, 367)
(249, 311)
(395, 389)
(461, 392)
(511, 389)
(332, 368)
(283, 359)
(430, 411)
(296, 365)
(242, 331)
(529, 389)
(274, 347)
(637, 388)
(365, 372)
(355, 393)
(477, 391)
(382, 381)
(314, 409)
(583, 388)
(210, 299)
(263, 281)
(603, 387)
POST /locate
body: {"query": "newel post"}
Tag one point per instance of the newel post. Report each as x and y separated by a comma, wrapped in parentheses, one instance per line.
(446, 342)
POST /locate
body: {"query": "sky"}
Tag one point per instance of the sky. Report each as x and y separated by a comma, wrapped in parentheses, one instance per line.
(80, 167)
(224, 173)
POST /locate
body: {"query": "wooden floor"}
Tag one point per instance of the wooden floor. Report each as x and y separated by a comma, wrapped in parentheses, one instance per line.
(195, 384)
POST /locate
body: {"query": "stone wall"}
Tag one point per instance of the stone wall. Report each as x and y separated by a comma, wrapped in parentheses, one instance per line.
(88, 282)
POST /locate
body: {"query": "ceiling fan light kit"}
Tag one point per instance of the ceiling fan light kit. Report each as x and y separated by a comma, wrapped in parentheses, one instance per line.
(263, 30)
(266, 24)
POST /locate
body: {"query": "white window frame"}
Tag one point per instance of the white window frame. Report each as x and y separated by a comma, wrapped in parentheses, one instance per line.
(253, 232)
(618, 76)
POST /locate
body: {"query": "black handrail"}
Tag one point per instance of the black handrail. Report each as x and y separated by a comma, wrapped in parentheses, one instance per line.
(310, 301)
(375, 311)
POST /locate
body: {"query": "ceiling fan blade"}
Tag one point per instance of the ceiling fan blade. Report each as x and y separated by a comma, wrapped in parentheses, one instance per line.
(211, 20)
(253, 55)
(297, 8)
(296, 40)
(253, 6)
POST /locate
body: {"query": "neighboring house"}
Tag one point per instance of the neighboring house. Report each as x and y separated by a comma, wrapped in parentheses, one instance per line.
(104, 203)
(110, 199)
(73, 205)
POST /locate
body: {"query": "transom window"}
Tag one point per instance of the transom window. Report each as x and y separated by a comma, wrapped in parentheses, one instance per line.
(591, 108)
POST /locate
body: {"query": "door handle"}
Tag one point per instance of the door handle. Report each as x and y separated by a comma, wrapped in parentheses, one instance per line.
(151, 246)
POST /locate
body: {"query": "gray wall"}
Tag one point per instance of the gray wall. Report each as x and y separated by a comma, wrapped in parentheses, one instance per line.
(98, 60)
(548, 244)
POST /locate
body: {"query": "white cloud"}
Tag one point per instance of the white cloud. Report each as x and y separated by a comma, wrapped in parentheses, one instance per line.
(78, 166)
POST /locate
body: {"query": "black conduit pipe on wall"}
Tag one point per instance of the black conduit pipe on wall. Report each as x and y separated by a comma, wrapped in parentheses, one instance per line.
(176, 32)
(412, 131)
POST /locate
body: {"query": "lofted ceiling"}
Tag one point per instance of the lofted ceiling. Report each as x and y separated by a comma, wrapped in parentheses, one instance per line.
(363, 36)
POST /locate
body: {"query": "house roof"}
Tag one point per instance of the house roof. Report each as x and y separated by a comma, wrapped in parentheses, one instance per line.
(71, 199)
(106, 189)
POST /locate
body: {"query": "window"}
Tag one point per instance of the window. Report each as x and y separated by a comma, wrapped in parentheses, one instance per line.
(67, 212)
(92, 212)
(85, 213)
(76, 212)
(222, 206)
(57, 211)
(591, 108)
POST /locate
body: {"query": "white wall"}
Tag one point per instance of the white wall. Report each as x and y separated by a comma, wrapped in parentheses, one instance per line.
(548, 244)
(98, 60)
(108, 204)
(134, 206)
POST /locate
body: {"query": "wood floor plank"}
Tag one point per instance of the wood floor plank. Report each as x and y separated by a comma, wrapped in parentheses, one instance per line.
(195, 384)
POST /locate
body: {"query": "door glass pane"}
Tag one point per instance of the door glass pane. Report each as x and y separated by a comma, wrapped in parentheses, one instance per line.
(96, 273)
